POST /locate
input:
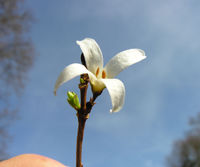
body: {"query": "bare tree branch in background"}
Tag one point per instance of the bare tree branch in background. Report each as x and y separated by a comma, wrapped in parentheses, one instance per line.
(16, 58)
(186, 152)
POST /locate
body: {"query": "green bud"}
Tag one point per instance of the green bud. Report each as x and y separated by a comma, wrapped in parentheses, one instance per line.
(82, 80)
(73, 100)
(70, 94)
(76, 102)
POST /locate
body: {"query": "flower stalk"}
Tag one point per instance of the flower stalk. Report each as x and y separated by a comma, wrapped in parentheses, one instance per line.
(81, 126)
(82, 115)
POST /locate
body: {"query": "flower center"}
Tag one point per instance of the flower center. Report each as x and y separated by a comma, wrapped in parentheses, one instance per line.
(103, 74)
(97, 72)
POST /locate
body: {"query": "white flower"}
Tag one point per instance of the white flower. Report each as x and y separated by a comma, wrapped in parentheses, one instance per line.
(101, 77)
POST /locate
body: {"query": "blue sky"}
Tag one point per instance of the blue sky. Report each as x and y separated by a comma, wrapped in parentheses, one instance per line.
(162, 92)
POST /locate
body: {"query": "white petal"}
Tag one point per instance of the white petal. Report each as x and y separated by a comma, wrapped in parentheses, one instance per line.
(70, 72)
(92, 54)
(116, 90)
(122, 60)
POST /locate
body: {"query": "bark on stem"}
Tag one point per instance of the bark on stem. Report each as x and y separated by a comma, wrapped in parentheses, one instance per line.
(83, 115)
(81, 126)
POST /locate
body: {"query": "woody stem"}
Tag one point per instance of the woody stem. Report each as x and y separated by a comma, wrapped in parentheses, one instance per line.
(82, 116)
(81, 126)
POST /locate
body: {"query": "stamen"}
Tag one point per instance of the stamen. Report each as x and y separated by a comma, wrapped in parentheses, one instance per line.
(103, 74)
(97, 72)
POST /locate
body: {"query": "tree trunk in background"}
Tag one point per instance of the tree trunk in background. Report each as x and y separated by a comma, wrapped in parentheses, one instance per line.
(16, 58)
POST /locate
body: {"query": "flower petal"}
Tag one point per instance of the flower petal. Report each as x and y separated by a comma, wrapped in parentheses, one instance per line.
(116, 90)
(92, 53)
(70, 72)
(122, 60)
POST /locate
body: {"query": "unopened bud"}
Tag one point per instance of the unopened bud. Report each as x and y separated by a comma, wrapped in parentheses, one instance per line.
(82, 81)
(73, 100)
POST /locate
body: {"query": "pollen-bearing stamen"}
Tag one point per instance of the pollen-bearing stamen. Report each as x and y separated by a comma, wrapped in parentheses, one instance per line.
(103, 74)
(97, 72)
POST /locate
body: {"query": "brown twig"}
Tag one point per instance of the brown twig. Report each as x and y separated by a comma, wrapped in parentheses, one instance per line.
(81, 126)
(83, 115)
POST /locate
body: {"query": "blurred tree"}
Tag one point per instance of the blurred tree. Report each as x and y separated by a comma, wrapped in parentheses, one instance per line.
(16, 58)
(186, 152)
